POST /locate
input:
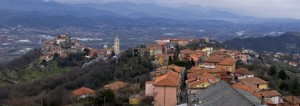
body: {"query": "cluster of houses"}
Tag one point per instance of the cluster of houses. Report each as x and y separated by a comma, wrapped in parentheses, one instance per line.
(212, 81)
(115, 87)
(63, 45)
(290, 59)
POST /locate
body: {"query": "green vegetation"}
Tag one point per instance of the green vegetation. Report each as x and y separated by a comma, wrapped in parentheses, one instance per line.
(52, 85)
(285, 43)
(31, 73)
(280, 76)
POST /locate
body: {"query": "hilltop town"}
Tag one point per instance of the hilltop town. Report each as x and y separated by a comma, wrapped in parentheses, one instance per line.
(167, 72)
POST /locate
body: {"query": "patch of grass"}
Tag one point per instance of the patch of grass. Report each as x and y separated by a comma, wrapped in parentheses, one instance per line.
(32, 73)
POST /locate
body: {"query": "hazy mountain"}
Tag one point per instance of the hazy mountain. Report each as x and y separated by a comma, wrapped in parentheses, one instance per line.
(286, 43)
(181, 13)
(52, 8)
(38, 13)
(130, 10)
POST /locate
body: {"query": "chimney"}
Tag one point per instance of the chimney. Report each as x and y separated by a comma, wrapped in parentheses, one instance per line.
(262, 99)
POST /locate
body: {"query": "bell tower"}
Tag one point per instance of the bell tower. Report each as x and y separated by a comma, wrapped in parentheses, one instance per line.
(117, 46)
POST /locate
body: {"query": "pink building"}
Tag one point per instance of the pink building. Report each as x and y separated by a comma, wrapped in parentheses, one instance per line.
(166, 89)
(242, 57)
(149, 88)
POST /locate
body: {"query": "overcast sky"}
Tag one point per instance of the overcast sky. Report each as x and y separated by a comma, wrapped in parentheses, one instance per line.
(259, 8)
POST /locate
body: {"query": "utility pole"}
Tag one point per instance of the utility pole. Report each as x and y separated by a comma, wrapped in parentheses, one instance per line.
(104, 100)
(41, 101)
(292, 100)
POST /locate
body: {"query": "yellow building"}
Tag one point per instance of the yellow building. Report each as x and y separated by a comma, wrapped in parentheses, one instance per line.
(263, 86)
(134, 100)
(257, 82)
(227, 64)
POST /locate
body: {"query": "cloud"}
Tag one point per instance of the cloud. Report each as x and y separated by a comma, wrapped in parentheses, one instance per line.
(259, 8)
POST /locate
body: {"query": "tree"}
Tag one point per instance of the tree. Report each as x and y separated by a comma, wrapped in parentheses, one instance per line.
(181, 63)
(43, 62)
(56, 56)
(193, 62)
(272, 70)
(170, 60)
(284, 86)
(295, 87)
(86, 51)
(282, 75)
(104, 96)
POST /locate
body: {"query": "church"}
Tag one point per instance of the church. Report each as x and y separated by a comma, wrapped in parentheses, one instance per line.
(107, 52)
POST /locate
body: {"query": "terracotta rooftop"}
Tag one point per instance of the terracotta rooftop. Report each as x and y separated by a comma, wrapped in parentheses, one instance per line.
(196, 72)
(170, 67)
(202, 76)
(197, 82)
(199, 51)
(252, 87)
(267, 94)
(83, 90)
(243, 87)
(243, 71)
(187, 51)
(214, 59)
(227, 61)
(170, 79)
(269, 102)
(255, 80)
(161, 43)
(195, 57)
(290, 99)
(116, 85)
(208, 70)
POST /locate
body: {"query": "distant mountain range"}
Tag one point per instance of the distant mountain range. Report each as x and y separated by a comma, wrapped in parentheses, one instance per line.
(118, 9)
(286, 43)
(150, 10)
(216, 22)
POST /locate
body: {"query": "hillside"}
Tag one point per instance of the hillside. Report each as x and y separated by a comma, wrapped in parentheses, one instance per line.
(54, 83)
(286, 43)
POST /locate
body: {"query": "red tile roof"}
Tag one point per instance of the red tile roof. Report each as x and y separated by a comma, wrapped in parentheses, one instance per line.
(290, 99)
(196, 72)
(254, 80)
(214, 59)
(83, 90)
(194, 84)
(267, 94)
(170, 79)
(170, 67)
(243, 71)
(116, 85)
(227, 61)
(195, 57)
(252, 87)
(187, 51)
(203, 75)
(242, 87)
